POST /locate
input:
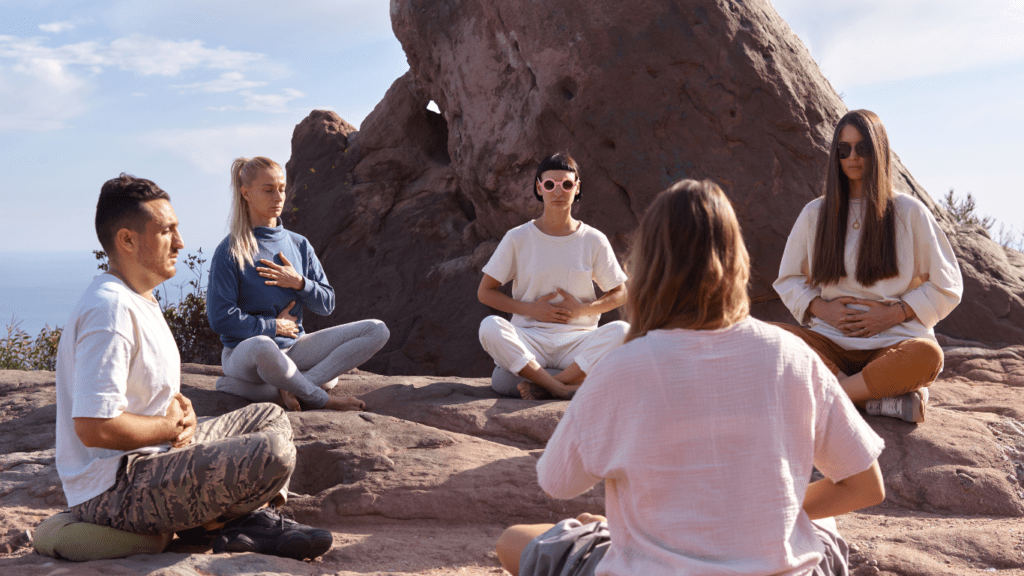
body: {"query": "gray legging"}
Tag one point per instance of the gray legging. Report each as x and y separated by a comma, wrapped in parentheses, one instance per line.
(257, 369)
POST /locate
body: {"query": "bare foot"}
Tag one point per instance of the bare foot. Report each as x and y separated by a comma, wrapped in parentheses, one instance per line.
(345, 403)
(291, 401)
(530, 391)
(587, 518)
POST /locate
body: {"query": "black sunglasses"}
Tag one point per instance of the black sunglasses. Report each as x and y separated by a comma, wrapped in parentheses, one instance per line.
(844, 150)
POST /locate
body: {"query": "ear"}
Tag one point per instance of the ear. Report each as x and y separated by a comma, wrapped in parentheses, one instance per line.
(245, 193)
(126, 241)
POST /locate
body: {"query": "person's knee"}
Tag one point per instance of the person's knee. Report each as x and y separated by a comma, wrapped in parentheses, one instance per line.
(379, 332)
(926, 358)
(280, 455)
(619, 328)
(490, 330)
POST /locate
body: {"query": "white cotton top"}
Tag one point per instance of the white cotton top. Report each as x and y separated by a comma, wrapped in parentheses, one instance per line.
(929, 279)
(116, 355)
(539, 264)
(706, 439)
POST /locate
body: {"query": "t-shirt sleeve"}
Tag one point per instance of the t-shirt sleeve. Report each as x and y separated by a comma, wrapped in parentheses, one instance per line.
(607, 272)
(561, 471)
(844, 444)
(792, 285)
(102, 358)
(502, 265)
(935, 260)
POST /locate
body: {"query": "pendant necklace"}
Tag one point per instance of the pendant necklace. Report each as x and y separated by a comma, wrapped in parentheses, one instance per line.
(856, 217)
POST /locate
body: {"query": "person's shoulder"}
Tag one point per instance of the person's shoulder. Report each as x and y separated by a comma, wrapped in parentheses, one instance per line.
(521, 232)
(907, 204)
(296, 238)
(813, 207)
(223, 250)
(772, 334)
(103, 302)
(589, 231)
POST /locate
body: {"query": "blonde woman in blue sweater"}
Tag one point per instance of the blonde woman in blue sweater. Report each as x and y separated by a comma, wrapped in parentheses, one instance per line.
(262, 280)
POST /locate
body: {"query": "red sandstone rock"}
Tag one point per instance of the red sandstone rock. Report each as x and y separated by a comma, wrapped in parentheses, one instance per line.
(405, 211)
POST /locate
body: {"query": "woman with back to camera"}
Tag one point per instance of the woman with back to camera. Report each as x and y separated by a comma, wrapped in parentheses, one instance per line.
(704, 426)
(262, 279)
(553, 261)
(871, 273)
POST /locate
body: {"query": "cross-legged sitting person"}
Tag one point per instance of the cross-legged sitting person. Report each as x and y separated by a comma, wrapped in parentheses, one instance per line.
(704, 427)
(263, 279)
(132, 456)
(868, 273)
(553, 340)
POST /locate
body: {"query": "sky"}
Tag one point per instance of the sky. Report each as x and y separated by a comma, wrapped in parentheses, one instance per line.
(173, 91)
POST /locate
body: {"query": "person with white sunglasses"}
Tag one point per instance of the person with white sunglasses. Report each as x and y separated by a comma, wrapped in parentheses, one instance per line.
(553, 261)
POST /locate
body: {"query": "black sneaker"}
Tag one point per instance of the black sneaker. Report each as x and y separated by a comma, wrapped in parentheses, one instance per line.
(267, 531)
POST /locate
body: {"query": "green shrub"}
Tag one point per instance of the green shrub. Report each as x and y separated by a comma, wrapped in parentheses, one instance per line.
(196, 341)
(18, 351)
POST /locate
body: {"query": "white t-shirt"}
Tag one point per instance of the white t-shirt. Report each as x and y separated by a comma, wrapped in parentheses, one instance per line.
(929, 279)
(539, 264)
(116, 355)
(706, 441)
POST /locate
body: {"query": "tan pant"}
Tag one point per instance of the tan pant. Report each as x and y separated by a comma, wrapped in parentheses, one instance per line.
(889, 371)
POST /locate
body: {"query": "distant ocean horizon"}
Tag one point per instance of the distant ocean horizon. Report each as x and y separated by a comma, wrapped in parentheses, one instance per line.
(41, 288)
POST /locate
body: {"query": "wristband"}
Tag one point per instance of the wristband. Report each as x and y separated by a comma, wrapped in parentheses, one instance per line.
(903, 306)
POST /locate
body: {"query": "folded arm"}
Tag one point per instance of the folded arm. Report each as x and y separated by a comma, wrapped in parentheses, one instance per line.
(129, 431)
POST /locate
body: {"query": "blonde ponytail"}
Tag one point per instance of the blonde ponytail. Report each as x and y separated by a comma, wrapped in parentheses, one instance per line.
(243, 242)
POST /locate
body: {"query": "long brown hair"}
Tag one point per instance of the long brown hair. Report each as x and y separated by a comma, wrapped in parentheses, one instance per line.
(876, 256)
(688, 266)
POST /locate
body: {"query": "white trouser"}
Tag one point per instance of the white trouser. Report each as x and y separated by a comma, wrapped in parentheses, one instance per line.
(513, 348)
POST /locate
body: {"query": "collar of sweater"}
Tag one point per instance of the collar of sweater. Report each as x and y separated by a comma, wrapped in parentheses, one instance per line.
(269, 234)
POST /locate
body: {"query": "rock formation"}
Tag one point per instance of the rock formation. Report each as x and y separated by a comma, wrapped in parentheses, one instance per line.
(405, 211)
(428, 480)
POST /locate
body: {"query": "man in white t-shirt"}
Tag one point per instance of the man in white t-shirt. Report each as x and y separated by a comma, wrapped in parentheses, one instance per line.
(131, 453)
(553, 340)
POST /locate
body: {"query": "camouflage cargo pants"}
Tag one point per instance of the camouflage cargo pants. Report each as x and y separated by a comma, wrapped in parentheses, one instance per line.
(235, 464)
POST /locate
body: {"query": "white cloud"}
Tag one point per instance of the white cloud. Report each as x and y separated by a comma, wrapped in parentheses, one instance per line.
(228, 82)
(212, 149)
(40, 95)
(273, 103)
(333, 26)
(56, 27)
(858, 42)
(136, 53)
(42, 87)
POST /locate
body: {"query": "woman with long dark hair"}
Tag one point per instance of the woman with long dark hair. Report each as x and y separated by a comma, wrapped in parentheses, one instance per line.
(868, 273)
(263, 278)
(704, 426)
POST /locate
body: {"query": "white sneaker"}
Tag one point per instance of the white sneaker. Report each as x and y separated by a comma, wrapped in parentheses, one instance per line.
(909, 407)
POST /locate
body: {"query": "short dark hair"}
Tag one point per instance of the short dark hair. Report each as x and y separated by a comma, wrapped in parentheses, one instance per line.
(557, 161)
(120, 206)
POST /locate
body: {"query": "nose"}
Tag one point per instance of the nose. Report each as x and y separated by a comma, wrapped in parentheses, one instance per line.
(178, 243)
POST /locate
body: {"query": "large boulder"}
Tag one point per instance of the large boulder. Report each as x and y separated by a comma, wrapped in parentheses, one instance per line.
(405, 211)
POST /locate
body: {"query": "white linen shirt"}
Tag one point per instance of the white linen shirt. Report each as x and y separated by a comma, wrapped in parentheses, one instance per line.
(706, 439)
(539, 264)
(116, 355)
(929, 279)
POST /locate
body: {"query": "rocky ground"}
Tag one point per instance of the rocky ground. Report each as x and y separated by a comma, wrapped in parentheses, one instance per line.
(425, 482)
